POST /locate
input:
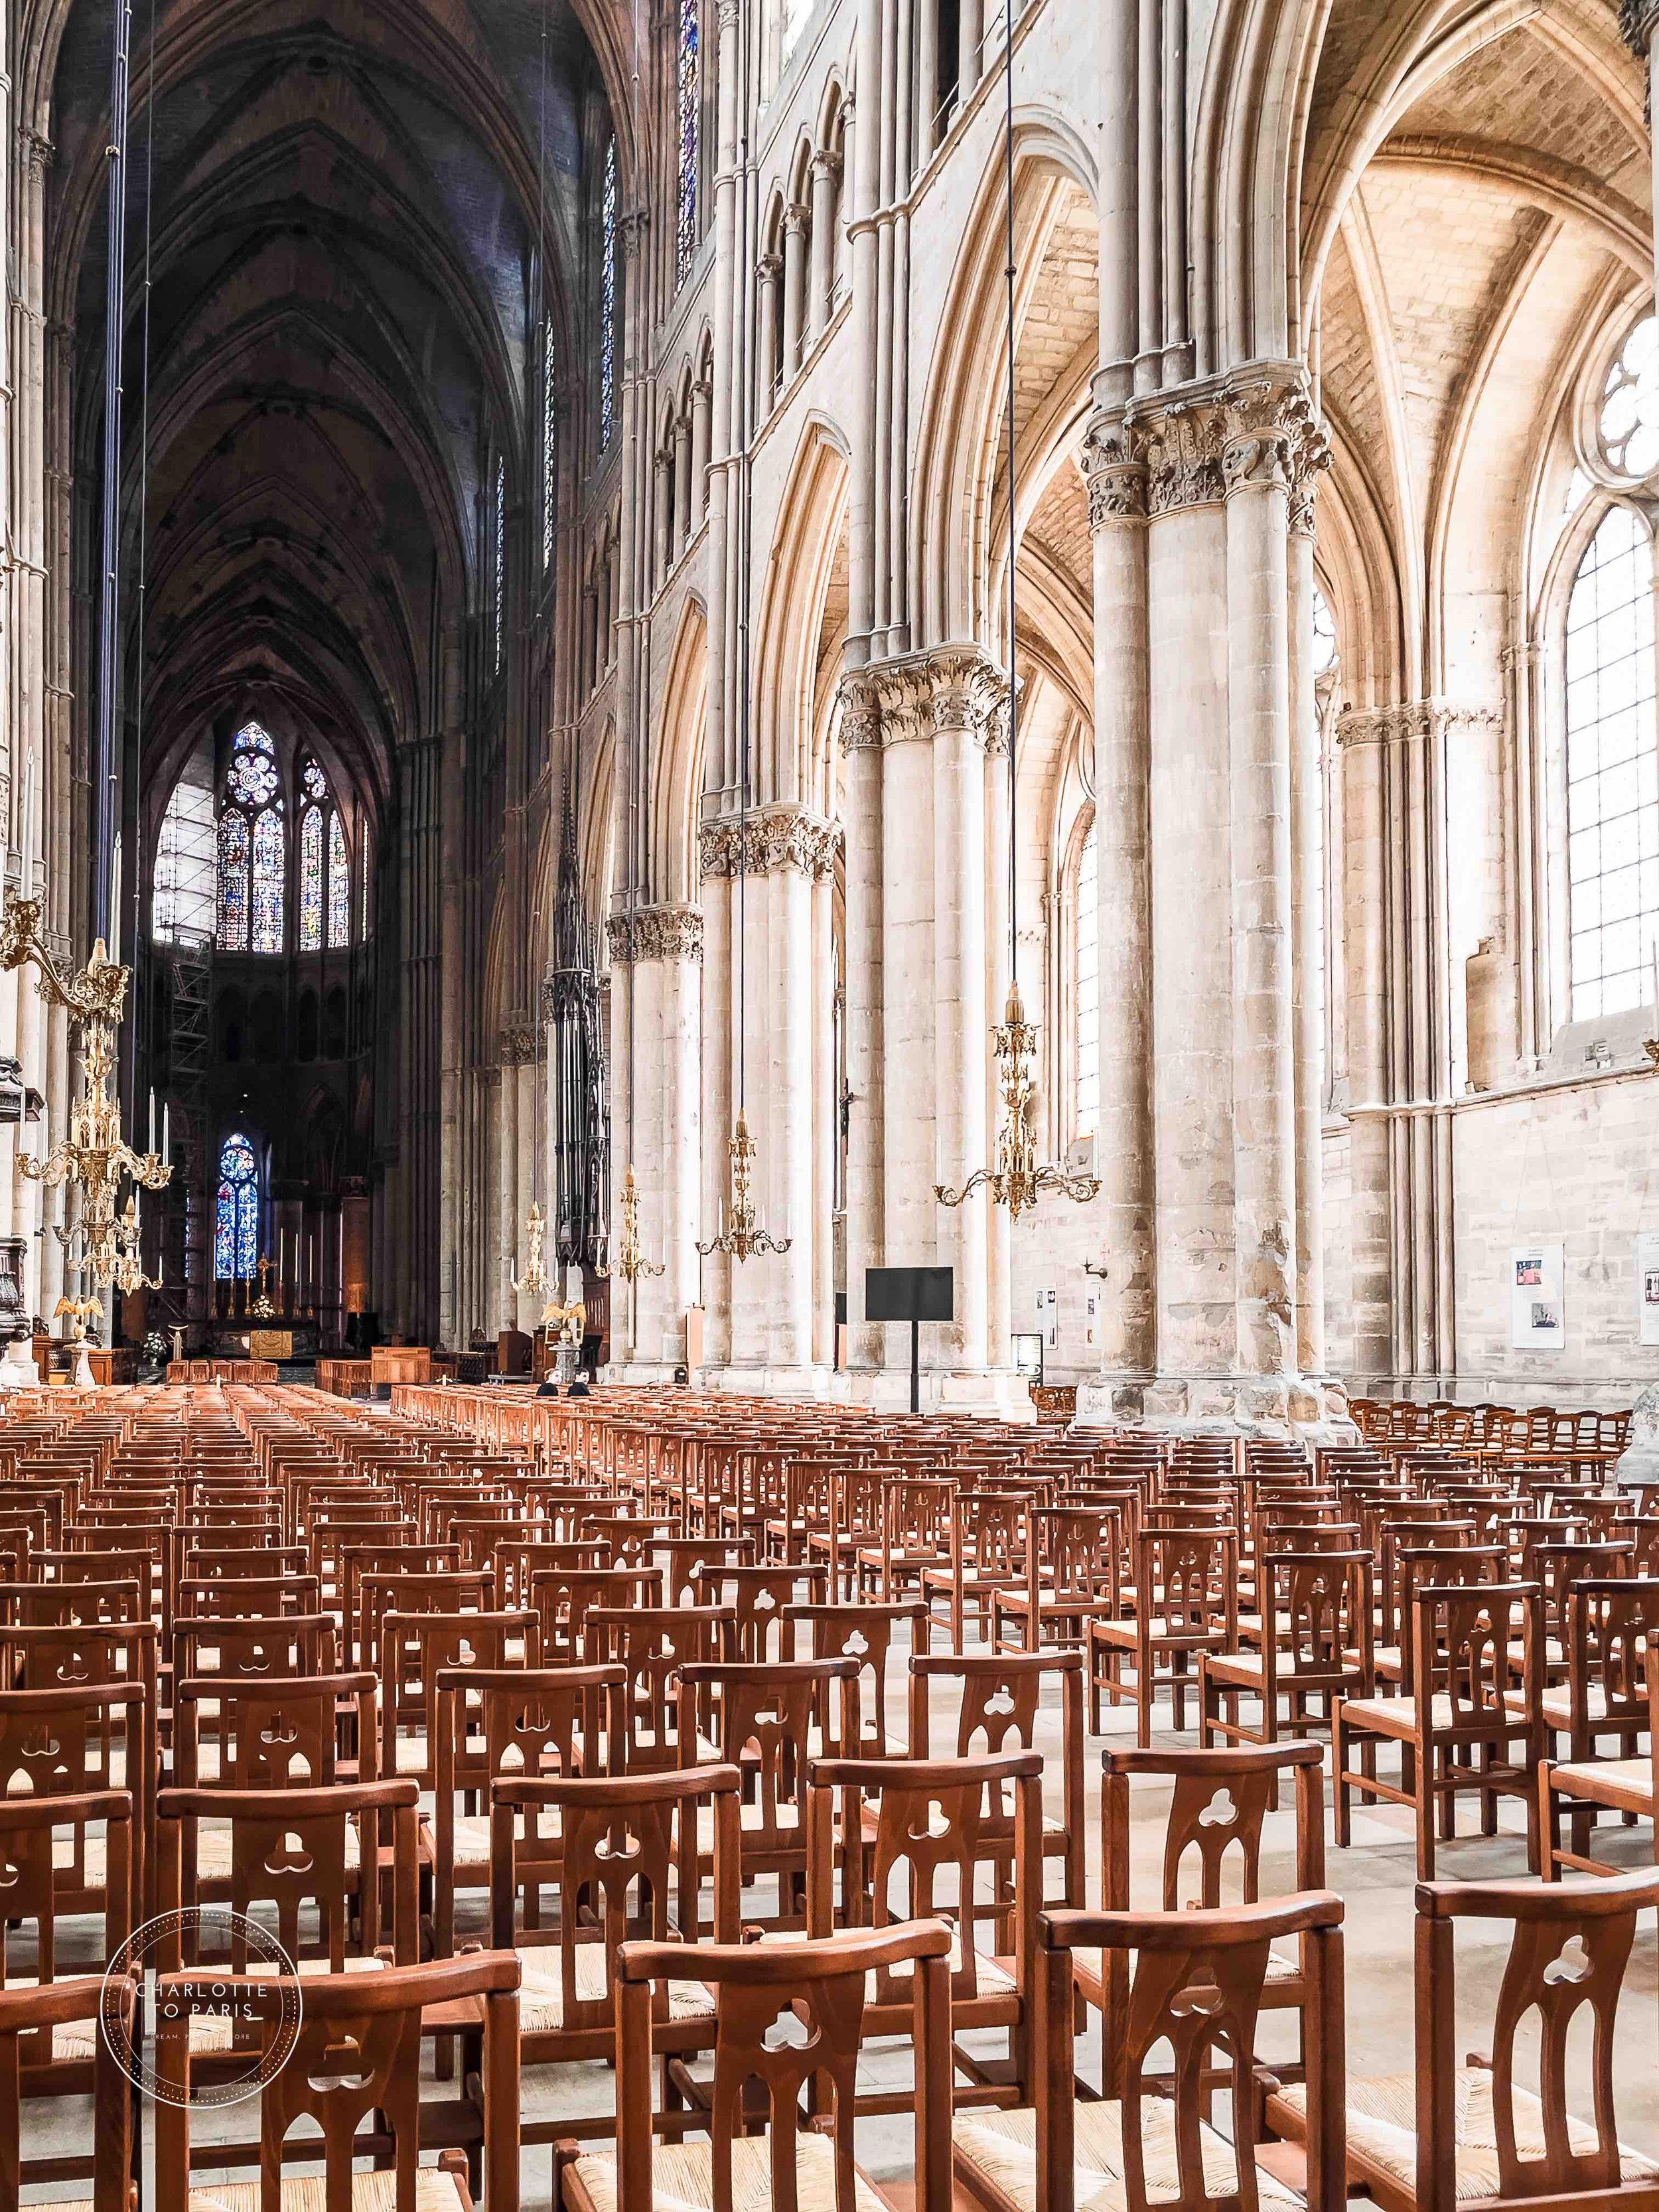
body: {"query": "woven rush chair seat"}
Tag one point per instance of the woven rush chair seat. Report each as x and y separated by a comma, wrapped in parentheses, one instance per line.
(435, 2191)
(1382, 2131)
(682, 2178)
(1624, 1785)
(70, 2038)
(994, 2156)
(541, 1992)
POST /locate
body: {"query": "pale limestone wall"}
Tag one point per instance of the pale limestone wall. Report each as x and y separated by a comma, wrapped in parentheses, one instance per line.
(1580, 1166)
(1339, 1256)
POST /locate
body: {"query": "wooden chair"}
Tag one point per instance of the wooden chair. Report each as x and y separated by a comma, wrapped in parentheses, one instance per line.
(80, 1739)
(419, 1648)
(60, 2061)
(771, 1722)
(1465, 2131)
(988, 1538)
(654, 1645)
(627, 1851)
(67, 2014)
(864, 1632)
(1186, 1602)
(1001, 1693)
(1195, 1985)
(1587, 1786)
(1213, 1835)
(355, 2056)
(1460, 1716)
(789, 2162)
(1316, 1645)
(759, 1597)
(519, 1723)
(1071, 1578)
(939, 1824)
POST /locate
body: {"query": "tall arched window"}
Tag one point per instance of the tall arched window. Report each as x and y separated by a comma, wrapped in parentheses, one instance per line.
(1086, 942)
(253, 850)
(685, 232)
(1612, 769)
(498, 561)
(339, 886)
(236, 1214)
(182, 900)
(608, 298)
(313, 790)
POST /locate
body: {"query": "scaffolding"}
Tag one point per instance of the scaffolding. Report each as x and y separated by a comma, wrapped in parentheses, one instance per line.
(184, 911)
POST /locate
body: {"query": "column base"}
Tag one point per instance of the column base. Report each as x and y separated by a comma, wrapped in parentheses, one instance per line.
(991, 1394)
(639, 1374)
(1312, 1408)
(808, 1382)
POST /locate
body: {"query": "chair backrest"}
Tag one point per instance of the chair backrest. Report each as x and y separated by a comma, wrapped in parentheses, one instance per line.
(1570, 1949)
(277, 1735)
(355, 2056)
(1609, 1625)
(864, 1632)
(765, 1717)
(654, 1644)
(758, 1984)
(31, 1872)
(936, 1817)
(627, 1854)
(1472, 1643)
(292, 1849)
(27, 2017)
(1222, 1955)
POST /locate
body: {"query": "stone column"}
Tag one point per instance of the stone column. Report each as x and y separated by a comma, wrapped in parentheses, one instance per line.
(794, 287)
(636, 1094)
(1259, 733)
(960, 1026)
(662, 539)
(1365, 986)
(683, 517)
(826, 169)
(1123, 1155)
(767, 375)
(860, 738)
(1000, 1314)
(1638, 20)
(822, 971)
(697, 504)
(1307, 902)
(513, 1254)
(715, 1276)
(1189, 833)
(665, 973)
(358, 1282)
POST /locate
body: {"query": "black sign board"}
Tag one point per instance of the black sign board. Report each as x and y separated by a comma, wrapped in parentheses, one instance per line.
(912, 1294)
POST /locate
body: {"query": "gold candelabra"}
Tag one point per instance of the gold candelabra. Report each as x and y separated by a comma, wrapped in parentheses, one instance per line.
(535, 1283)
(740, 1234)
(1017, 1180)
(95, 1153)
(264, 1307)
(630, 1262)
(128, 1273)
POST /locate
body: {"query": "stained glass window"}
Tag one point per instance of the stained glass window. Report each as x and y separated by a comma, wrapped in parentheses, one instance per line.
(232, 883)
(314, 782)
(265, 906)
(236, 1213)
(311, 880)
(498, 561)
(1613, 771)
(1630, 404)
(550, 447)
(339, 885)
(252, 854)
(685, 236)
(608, 300)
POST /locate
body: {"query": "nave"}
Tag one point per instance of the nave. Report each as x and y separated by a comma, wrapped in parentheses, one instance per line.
(773, 1805)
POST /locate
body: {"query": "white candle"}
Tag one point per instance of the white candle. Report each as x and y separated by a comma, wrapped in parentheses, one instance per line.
(115, 901)
(166, 1131)
(152, 1117)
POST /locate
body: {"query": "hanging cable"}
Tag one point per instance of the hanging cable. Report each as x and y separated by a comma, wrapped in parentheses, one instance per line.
(106, 773)
(1013, 681)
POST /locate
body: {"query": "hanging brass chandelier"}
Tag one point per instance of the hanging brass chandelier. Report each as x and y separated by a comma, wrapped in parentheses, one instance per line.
(631, 1263)
(535, 1283)
(741, 1235)
(94, 1154)
(1017, 1180)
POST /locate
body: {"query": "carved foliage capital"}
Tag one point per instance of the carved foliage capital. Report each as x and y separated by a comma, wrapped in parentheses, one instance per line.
(1259, 428)
(1417, 721)
(771, 839)
(518, 1041)
(656, 932)
(1114, 464)
(951, 688)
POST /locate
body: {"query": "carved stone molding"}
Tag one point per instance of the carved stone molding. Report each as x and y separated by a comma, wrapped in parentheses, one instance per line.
(1201, 443)
(1419, 721)
(656, 932)
(518, 1041)
(951, 688)
(770, 839)
(1638, 20)
(1113, 466)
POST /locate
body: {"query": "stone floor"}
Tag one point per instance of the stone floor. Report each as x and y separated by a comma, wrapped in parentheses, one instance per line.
(1376, 1875)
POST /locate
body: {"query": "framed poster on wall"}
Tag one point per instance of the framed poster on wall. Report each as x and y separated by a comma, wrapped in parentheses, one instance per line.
(1537, 1310)
(1647, 1285)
